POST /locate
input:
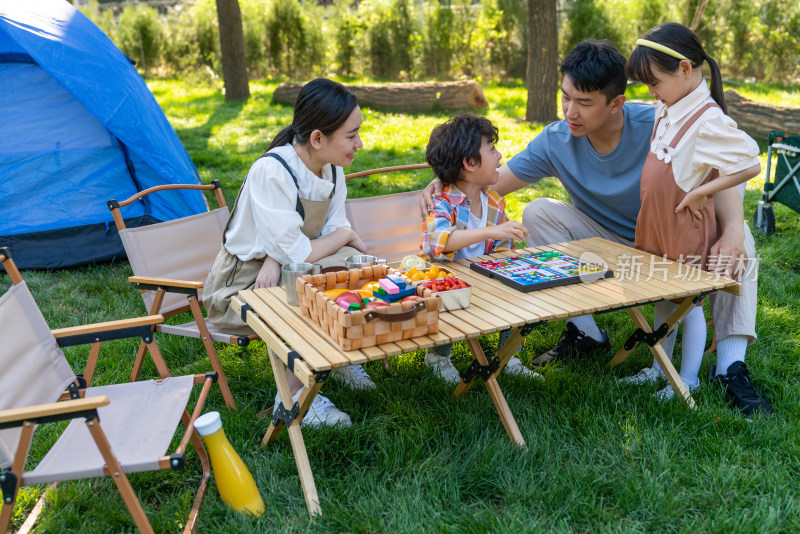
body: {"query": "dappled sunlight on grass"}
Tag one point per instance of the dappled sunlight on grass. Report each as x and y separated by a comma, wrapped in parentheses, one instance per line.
(600, 457)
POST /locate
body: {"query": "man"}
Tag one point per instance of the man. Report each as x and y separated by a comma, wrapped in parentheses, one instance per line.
(597, 152)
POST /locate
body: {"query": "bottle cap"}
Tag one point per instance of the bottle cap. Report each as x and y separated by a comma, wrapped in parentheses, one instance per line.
(208, 423)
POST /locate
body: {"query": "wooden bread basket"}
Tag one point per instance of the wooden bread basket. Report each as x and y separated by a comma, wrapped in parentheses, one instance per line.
(364, 328)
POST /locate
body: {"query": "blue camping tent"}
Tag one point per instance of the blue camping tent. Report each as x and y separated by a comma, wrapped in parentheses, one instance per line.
(78, 127)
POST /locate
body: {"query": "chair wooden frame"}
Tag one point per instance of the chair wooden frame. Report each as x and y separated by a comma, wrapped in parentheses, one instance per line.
(73, 405)
(190, 288)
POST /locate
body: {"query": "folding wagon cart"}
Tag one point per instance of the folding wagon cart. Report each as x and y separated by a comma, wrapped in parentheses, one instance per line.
(785, 187)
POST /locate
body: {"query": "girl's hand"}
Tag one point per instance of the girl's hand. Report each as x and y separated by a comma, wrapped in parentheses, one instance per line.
(269, 275)
(509, 230)
(357, 243)
(694, 202)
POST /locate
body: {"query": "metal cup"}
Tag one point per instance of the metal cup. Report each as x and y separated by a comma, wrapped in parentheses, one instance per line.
(360, 260)
(289, 274)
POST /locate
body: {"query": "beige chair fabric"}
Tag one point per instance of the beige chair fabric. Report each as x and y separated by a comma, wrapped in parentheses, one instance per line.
(181, 249)
(33, 369)
(388, 224)
(139, 423)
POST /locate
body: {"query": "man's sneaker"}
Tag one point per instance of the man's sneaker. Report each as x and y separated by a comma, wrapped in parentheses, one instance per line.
(321, 413)
(573, 343)
(647, 376)
(516, 368)
(741, 393)
(667, 393)
(353, 376)
(442, 367)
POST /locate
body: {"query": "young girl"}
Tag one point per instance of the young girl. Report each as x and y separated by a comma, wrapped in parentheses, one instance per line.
(291, 209)
(695, 151)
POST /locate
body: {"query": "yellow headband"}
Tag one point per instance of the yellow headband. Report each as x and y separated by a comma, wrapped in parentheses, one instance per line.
(660, 48)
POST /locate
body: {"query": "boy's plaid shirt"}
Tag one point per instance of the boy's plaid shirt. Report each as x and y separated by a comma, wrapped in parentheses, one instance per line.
(451, 212)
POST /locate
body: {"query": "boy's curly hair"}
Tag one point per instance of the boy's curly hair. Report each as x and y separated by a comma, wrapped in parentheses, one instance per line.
(458, 138)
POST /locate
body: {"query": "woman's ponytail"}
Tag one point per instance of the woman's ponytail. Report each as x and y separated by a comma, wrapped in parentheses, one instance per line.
(285, 136)
(716, 84)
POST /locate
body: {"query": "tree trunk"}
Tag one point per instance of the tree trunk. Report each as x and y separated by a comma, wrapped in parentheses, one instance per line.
(542, 72)
(412, 96)
(231, 40)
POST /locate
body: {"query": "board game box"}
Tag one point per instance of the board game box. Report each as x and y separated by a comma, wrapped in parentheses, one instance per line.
(540, 270)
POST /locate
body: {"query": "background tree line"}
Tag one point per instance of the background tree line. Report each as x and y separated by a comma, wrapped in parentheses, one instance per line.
(424, 39)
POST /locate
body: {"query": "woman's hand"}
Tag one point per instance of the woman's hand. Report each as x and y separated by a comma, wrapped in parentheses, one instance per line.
(509, 230)
(694, 202)
(433, 189)
(269, 275)
(357, 243)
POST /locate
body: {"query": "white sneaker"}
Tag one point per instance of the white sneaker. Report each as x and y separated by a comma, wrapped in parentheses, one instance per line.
(667, 393)
(354, 377)
(321, 413)
(442, 367)
(516, 368)
(647, 376)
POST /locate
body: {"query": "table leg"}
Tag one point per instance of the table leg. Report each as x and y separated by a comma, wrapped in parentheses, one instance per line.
(506, 417)
(295, 434)
(631, 344)
(658, 352)
(503, 355)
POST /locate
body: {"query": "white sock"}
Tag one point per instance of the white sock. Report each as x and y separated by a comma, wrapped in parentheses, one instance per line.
(586, 324)
(694, 343)
(662, 312)
(730, 350)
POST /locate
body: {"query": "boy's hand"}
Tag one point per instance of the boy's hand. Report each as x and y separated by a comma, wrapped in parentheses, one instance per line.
(694, 202)
(433, 189)
(509, 230)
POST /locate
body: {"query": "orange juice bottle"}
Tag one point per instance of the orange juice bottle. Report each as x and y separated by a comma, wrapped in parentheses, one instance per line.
(234, 482)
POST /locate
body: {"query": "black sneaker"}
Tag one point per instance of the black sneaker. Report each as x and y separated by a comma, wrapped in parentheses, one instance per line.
(573, 343)
(741, 393)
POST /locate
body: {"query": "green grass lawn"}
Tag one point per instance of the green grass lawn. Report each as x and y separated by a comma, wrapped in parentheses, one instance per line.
(600, 457)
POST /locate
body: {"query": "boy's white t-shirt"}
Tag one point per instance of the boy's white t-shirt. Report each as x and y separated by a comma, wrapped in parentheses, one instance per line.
(479, 248)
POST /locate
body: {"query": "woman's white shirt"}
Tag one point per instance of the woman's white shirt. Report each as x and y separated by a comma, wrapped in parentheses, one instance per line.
(266, 222)
(713, 142)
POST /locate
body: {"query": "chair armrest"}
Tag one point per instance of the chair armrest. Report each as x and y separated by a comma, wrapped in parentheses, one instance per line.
(55, 411)
(108, 331)
(166, 282)
(107, 326)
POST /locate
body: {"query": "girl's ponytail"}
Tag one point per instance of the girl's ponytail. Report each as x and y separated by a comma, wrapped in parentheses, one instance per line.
(716, 84)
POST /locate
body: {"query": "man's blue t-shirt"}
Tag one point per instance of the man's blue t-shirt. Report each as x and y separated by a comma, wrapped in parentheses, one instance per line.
(604, 187)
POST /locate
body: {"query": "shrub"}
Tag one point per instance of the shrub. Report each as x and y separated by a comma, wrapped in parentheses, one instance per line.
(294, 44)
(141, 35)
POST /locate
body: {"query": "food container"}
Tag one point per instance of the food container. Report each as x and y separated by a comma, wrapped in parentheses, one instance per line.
(445, 270)
(455, 299)
(357, 329)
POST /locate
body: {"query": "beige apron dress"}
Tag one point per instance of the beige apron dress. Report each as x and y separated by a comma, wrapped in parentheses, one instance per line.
(661, 231)
(229, 274)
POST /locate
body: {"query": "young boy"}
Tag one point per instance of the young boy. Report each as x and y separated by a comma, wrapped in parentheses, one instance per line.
(469, 218)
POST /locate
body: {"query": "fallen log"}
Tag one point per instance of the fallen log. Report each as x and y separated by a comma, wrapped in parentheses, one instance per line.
(412, 96)
(760, 119)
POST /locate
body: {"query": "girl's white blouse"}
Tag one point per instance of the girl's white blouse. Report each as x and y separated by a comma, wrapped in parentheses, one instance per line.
(713, 142)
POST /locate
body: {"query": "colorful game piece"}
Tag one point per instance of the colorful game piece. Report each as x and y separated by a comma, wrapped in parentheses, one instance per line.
(388, 286)
(540, 270)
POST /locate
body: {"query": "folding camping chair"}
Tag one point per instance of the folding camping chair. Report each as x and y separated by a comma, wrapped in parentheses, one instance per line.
(170, 263)
(139, 419)
(388, 224)
(785, 188)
